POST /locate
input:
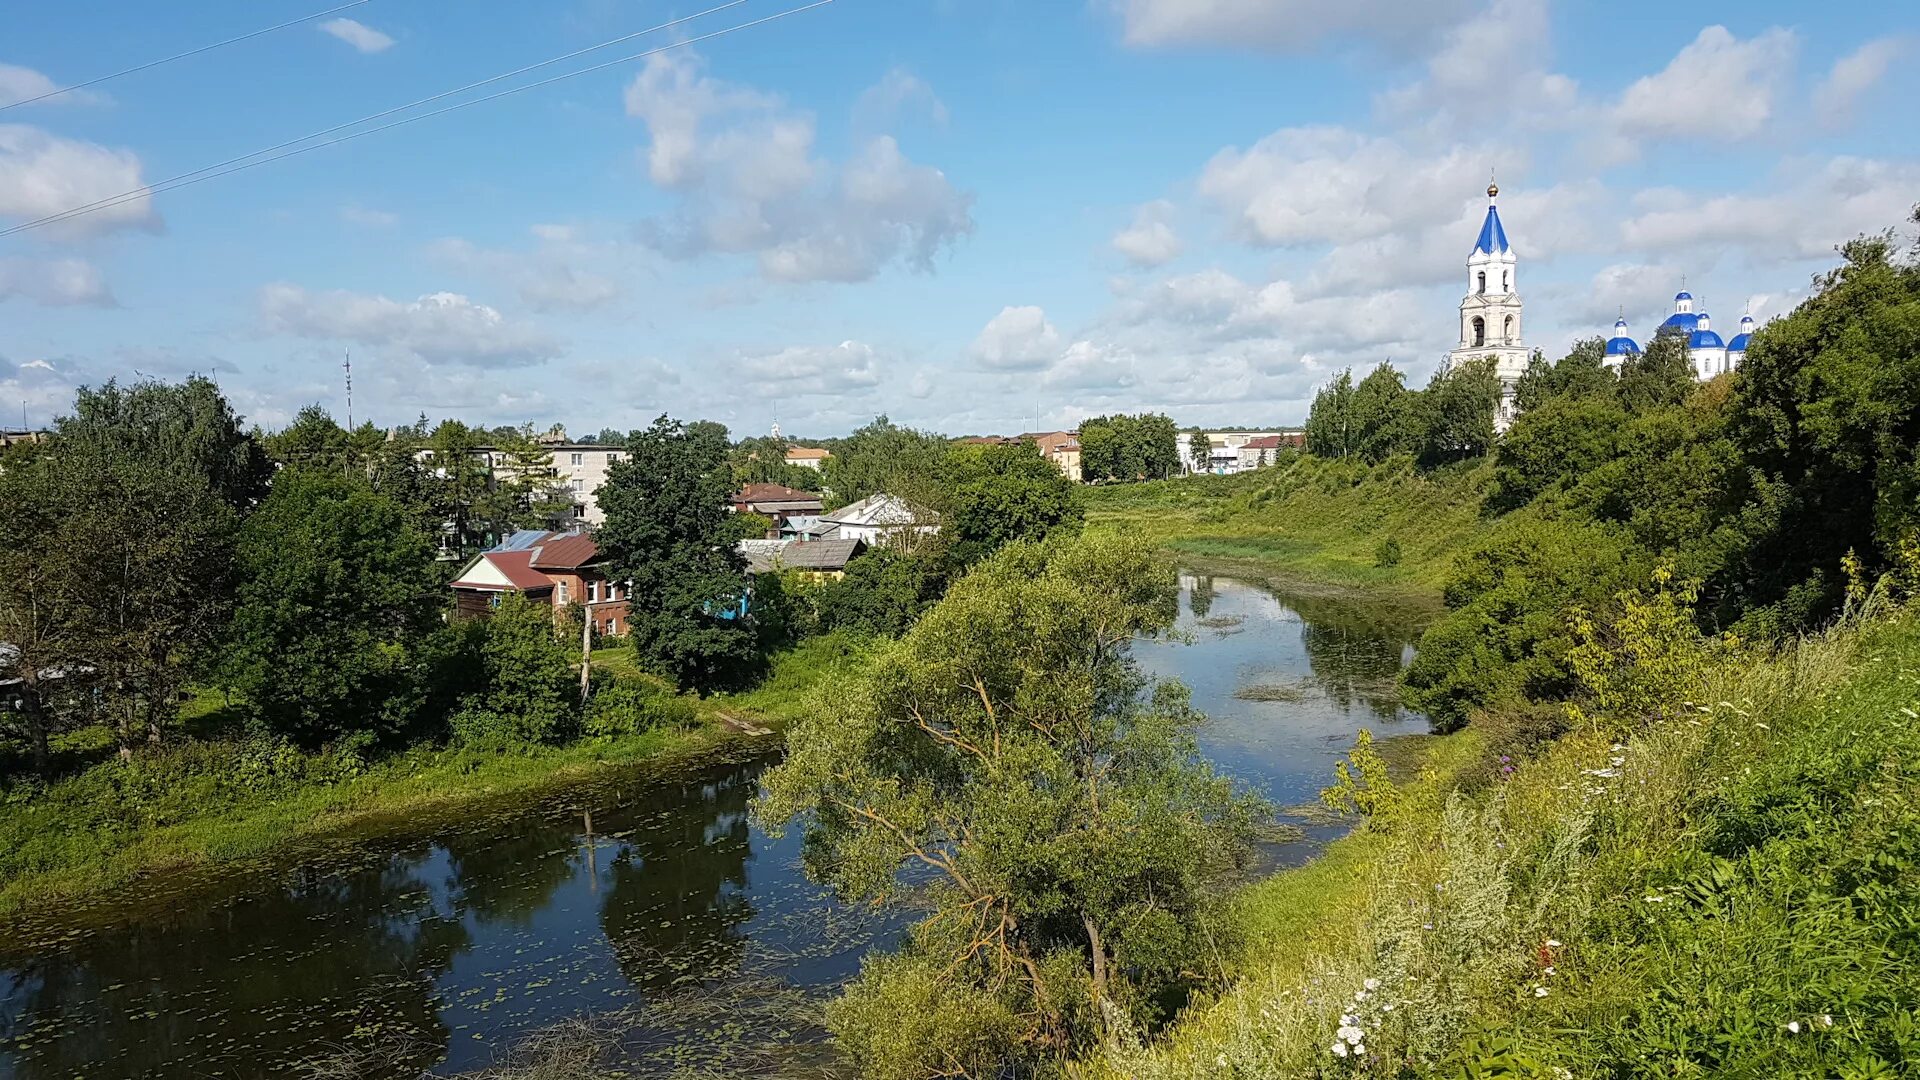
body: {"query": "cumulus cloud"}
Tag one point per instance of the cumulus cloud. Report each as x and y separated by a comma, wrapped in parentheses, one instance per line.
(897, 93)
(804, 370)
(54, 282)
(440, 328)
(1282, 25)
(1853, 75)
(1151, 240)
(359, 35)
(18, 83)
(1460, 89)
(1718, 87)
(553, 277)
(1017, 339)
(1825, 206)
(750, 182)
(43, 174)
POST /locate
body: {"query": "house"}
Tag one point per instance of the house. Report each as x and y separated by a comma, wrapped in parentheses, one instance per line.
(879, 519)
(10, 436)
(808, 527)
(1261, 451)
(1222, 450)
(776, 501)
(807, 457)
(560, 568)
(820, 560)
(1060, 447)
(578, 468)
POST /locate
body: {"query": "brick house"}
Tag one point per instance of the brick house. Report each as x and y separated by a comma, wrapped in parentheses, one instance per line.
(561, 568)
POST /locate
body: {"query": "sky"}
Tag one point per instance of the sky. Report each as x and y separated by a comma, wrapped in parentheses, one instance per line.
(974, 216)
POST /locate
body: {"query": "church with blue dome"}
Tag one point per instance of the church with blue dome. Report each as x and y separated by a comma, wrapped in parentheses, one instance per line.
(1490, 319)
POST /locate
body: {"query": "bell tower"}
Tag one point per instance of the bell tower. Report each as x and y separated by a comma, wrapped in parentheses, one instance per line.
(1490, 316)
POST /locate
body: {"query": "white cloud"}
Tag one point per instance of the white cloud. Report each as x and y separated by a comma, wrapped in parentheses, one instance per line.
(552, 277)
(355, 214)
(1853, 75)
(898, 91)
(1718, 87)
(1017, 339)
(18, 83)
(43, 174)
(803, 371)
(1461, 89)
(54, 282)
(359, 35)
(744, 165)
(1151, 240)
(440, 328)
(1284, 25)
(1826, 206)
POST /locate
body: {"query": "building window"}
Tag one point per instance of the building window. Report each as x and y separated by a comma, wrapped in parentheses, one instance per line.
(1509, 329)
(1505, 287)
(579, 486)
(593, 592)
(493, 601)
(579, 510)
(560, 594)
(1483, 284)
(1479, 334)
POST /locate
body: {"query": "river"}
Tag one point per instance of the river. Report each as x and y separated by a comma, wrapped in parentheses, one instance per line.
(645, 899)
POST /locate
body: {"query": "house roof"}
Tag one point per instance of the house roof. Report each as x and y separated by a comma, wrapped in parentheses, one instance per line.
(503, 571)
(1265, 442)
(810, 527)
(806, 453)
(877, 510)
(565, 551)
(774, 493)
(766, 556)
(1053, 442)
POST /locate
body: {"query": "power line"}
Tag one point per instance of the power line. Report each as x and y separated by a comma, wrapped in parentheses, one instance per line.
(182, 56)
(223, 168)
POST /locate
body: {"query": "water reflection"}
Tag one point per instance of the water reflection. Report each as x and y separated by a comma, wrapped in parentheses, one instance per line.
(444, 950)
(1285, 681)
(644, 896)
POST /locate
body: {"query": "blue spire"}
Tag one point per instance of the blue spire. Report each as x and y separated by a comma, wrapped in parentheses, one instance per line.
(1493, 238)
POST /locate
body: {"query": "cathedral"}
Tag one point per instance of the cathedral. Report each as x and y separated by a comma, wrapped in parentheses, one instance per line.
(1490, 326)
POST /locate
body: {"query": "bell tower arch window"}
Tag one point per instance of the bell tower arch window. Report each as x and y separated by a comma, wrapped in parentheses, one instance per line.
(1479, 331)
(1506, 281)
(1482, 289)
(1509, 329)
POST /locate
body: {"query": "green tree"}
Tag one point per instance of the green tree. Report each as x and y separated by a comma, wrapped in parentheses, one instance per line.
(996, 494)
(1457, 412)
(1123, 447)
(1534, 386)
(531, 690)
(1008, 746)
(763, 460)
(47, 594)
(526, 492)
(1330, 430)
(1659, 377)
(1381, 413)
(187, 428)
(666, 533)
(884, 591)
(460, 486)
(337, 593)
(1555, 443)
(1199, 452)
(883, 457)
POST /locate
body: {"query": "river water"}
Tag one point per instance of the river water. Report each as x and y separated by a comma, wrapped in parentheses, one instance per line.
(647, 899)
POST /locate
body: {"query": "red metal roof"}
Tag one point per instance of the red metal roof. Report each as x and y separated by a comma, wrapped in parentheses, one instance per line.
(1269, 442)
(516, 567)
(754, 493)
(565, 551)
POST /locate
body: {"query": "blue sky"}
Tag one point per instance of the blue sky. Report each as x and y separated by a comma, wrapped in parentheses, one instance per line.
(962, 213)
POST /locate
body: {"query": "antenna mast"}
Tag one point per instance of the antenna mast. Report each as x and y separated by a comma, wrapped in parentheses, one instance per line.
(349, 366)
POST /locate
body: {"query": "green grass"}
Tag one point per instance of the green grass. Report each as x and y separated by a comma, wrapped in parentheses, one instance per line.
(213, 799)
(1311, 521)
(1732, 889)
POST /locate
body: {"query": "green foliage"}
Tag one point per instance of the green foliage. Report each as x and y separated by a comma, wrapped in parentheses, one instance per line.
(1644, 662)
(666, 531)
(902, 1019)
(885, 458)
(629, 708)
(531, 692)
(187, 428)
(337, 595)
(763, 460)
(1330, 427)
(1456, 413)
(1124, 447)
(745, 526)
(997, 494)
(1361, 784)
(1005, 744)
(1387, 554)
(1382, 420)
(1553, 444)
(883, 593)
(1659, 377)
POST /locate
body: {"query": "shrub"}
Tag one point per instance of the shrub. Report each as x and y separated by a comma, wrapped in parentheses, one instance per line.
(1387, 554)
(630, 708)
(531, 692)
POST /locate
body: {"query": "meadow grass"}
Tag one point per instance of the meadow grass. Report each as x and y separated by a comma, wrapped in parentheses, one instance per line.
(1730, 886)
(224, 798)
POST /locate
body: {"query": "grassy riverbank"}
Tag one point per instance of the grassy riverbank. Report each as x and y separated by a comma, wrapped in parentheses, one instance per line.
(1386, 530)
(219, 797)
(1729, 888)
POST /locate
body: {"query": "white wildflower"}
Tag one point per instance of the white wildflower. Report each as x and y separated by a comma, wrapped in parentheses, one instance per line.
(1388, 1007)
(1340, 1049)
(1360, 995)
(1539, 991)
(1654, 899)
(1826, 1021)
(1350, 1034)
(1360, 1051)
(1548, 969)
(1348, 1020)
(1371, 984)
(1221, 1061)
(1793, 1026)
(1552, 944)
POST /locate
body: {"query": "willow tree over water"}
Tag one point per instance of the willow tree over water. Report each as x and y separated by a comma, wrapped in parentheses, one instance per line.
(1007, 756)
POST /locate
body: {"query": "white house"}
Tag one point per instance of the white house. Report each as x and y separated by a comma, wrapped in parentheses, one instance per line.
(880, 518)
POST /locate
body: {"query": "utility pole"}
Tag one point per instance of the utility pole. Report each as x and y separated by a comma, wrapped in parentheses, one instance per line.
(349, 367)
(586, 654)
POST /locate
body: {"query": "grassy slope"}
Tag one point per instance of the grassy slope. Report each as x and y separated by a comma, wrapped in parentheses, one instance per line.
(1754, 864)
(1311, 522)
(208, 802)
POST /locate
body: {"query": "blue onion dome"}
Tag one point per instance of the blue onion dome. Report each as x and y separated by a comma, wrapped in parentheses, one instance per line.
(1684, 321)
(1682, 295)
(1703, 336)
(1620, 344)
(1739, 342)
